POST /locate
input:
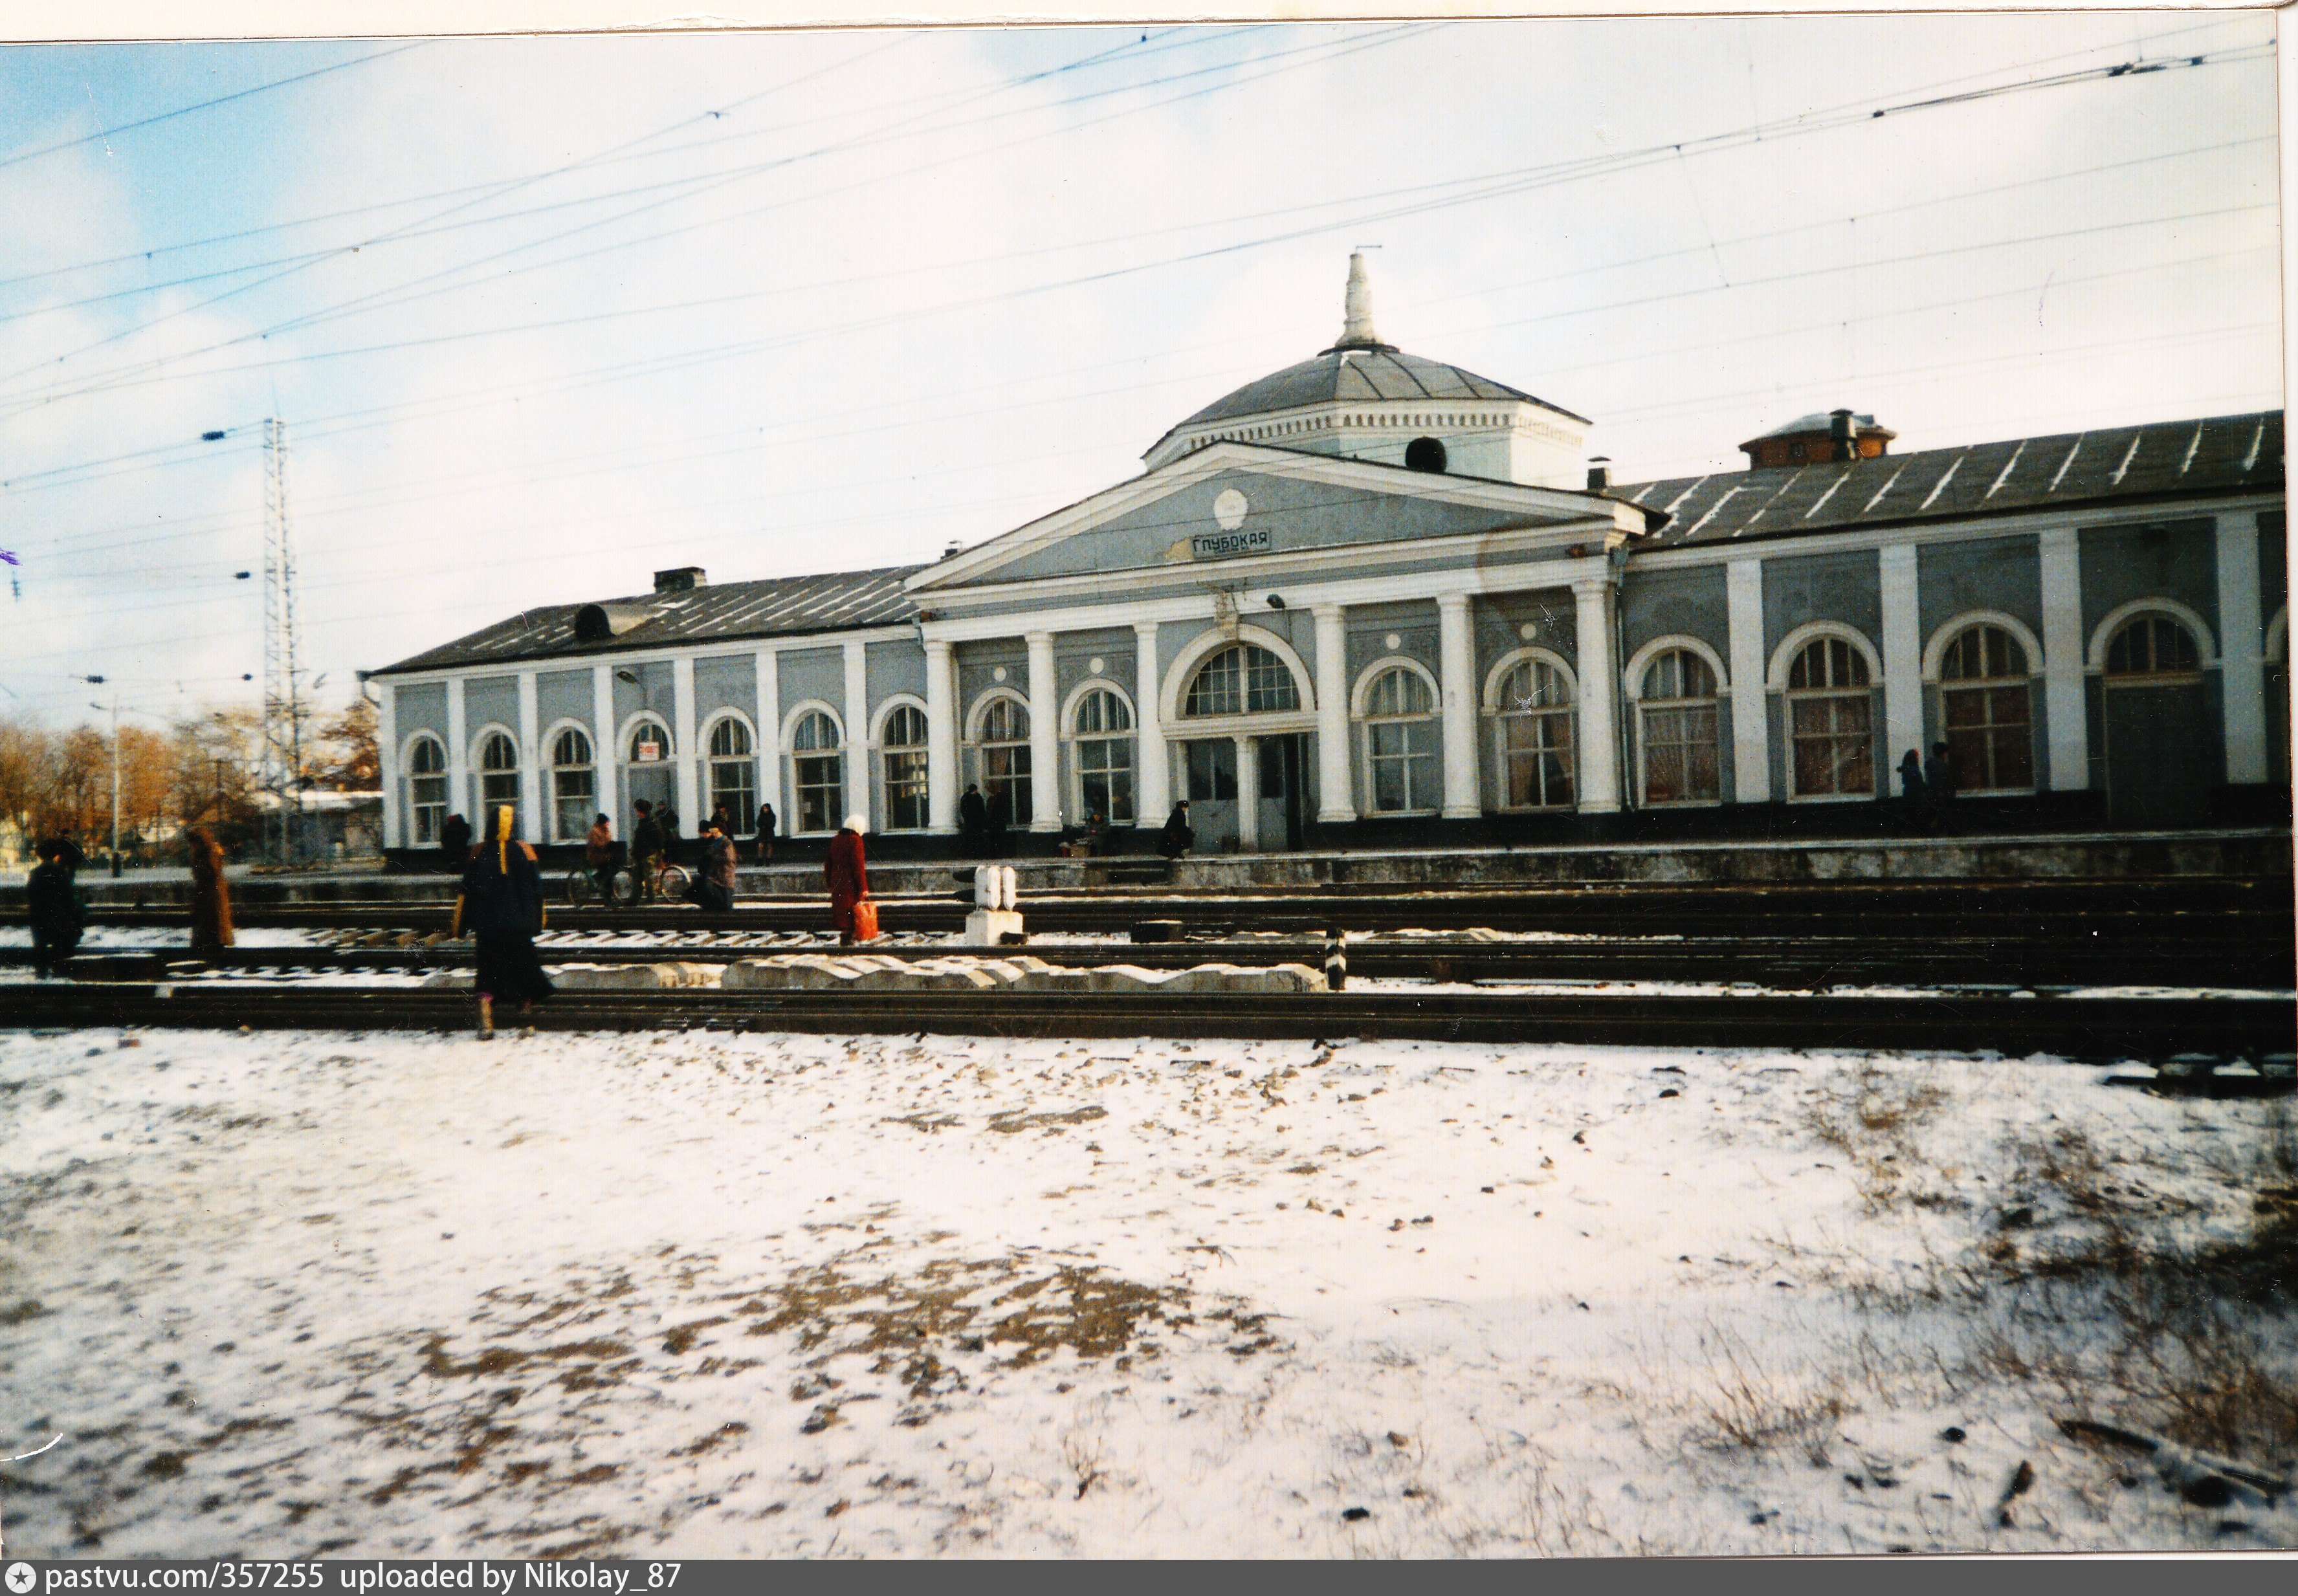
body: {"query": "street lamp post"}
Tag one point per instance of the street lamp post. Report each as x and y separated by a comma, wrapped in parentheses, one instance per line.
(98, 681)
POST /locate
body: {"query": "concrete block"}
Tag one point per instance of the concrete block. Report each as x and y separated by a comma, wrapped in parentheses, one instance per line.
(990, 927)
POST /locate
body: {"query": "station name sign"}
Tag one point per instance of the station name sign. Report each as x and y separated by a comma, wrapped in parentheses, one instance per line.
(1216, 546)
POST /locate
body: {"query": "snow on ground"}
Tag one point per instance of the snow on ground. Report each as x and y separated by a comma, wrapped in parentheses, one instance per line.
(702, 1294)
(137, 938)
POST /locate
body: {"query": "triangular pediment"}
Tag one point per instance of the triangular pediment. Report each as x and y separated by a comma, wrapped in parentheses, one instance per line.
(1233, 501)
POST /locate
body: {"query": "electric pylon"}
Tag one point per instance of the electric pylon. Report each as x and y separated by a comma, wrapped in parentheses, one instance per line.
(283, 705)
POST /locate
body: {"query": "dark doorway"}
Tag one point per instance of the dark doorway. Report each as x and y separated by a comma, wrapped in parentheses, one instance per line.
(2160, 756)
(1282, 800)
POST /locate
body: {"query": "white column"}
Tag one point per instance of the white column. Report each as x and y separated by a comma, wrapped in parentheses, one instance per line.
(1335, 792)
(941, 737)
(2242, 648)
(459, 757)
(1455, 674)
(770, 736)
(2064, 700)
(1599, 698)
(1903, 658)
(1248, 794)
(606, 758)
(857, 730)
(1044, 738)
(1751, 752)
(534, 826)
(681, 734)
(387, 748)
(1153, 795)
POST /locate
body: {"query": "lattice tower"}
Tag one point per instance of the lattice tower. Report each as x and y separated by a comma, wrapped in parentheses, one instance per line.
(283, 712)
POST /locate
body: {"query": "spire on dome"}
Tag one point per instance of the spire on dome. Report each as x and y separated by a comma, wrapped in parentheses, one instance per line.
(1356, 327)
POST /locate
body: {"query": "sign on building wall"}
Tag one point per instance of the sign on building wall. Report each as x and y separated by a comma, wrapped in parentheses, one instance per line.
(1214, 545)
(648, 753)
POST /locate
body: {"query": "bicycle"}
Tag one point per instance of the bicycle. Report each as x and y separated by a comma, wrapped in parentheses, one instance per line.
(670, 883)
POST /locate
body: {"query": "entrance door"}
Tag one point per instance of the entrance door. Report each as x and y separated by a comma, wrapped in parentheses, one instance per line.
(1210, 764)
(651, 782)
(2158, 756)
(1282, 760)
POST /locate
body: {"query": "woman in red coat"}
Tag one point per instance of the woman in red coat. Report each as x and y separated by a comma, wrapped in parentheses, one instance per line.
(844, 873)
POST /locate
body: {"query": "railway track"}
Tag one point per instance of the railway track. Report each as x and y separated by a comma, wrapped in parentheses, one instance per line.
(2149, 910)
(1804, 963)
(2093, 1027)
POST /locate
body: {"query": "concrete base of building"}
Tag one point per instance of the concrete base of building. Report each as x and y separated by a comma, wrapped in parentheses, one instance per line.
(2243, 852)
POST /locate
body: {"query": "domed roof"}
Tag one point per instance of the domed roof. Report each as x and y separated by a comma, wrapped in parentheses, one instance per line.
(1358, 373)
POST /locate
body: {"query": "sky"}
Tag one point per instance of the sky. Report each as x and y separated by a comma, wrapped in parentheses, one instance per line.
(544, 315)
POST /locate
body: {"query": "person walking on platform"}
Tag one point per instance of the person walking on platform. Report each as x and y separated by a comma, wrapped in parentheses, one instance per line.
(674, 836)
(1000, 819)
(646, 851)
(1911, 784)
(502, 907)
(599, 854)
(212, 931)
(1939, 783)
(972, 822)
(846, 876)
(766, 824)
(1177, 838)
(52, 900)
(713, 885)
(455, 843)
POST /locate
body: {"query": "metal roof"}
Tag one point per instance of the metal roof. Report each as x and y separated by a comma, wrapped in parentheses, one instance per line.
(1342, 376)
(780, 606)
(2220, 454)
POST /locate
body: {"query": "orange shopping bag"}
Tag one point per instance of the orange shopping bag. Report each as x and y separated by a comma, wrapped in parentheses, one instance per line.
(865, 921)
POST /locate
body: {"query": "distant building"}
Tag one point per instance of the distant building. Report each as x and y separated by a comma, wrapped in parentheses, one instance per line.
(1374, 598)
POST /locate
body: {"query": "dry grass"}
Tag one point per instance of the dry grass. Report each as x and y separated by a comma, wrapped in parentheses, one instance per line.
(1873, 1117)
(1749, 1406)
(2102, 1303)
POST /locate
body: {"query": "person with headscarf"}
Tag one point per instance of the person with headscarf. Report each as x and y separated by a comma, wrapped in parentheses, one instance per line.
(51, 902)
(1177, 838)
(212, 931)
(714, 883)
(502, 907)
(846, 876)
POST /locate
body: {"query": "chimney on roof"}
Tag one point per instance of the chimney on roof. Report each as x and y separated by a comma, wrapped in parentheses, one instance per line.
(1845, 447)
(956, 549)
(1599, 473)
(682, 579)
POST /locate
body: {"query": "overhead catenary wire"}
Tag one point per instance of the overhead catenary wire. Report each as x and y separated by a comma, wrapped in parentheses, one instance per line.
(1796, 126)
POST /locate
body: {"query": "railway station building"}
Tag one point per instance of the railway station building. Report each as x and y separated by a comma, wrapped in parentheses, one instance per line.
(1374, 600)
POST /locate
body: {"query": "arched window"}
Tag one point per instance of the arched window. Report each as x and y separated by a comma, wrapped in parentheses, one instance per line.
(1002, 749)
(1830, 721)
(497, 778)
(1986, 710)
(2151, 648)
(734, 774)
(1676, 714)
(573, 787)
(650, 743)
(1103, 728)
(818, 772)
(903, 742)
(1242, 679)
(426, 790)
(1535, 738)
(1425, 454)
(1399, 743)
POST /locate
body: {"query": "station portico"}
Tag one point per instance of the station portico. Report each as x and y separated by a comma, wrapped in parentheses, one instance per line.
(1373, 596)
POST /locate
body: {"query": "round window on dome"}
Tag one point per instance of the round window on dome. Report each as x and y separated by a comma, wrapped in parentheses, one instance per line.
(1424, 454)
